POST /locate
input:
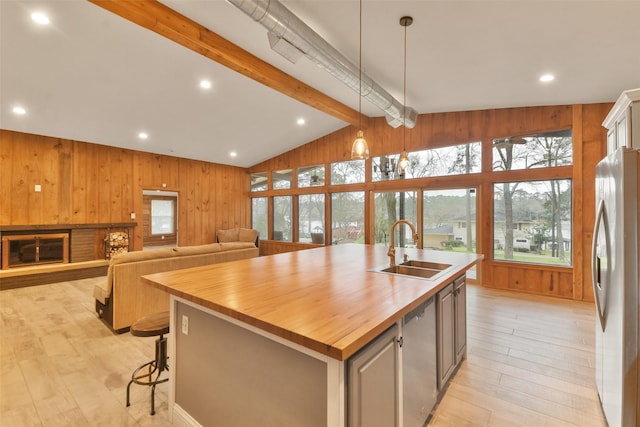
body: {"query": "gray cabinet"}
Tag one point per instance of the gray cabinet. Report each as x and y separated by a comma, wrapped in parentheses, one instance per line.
(419, 367)
(374, 383)
(451, 328)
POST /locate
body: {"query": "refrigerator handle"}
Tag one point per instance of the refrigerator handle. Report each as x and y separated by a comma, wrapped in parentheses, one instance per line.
(599, 288)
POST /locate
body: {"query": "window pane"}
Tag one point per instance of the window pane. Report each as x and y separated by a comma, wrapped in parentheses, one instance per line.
(349, 172)
(282, 218)
(311, 176)
(385, 168)
(311, 218)
(453, 160)
(162, 217)
(260, 216)
(390, 207)
(532, 222)
(259, 181)
(535, 151)
(449, 220)
(281, 179)
(347, 217)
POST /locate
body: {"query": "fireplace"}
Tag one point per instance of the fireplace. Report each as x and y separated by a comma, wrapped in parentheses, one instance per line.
(32, 249)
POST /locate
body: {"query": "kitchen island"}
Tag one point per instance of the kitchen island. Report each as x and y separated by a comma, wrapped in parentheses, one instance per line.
(266, 341)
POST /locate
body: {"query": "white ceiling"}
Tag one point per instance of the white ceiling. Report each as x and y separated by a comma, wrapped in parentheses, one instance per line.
(93, 76)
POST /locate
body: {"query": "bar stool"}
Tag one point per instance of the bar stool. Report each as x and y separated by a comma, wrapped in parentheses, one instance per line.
(151, 326)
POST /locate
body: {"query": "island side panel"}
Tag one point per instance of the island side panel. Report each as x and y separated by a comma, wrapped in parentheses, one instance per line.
(228, 375)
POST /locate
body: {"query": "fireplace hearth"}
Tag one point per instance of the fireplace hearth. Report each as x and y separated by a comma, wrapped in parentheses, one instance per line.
(33, 249)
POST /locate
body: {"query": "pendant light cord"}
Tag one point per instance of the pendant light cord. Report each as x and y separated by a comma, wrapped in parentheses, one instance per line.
(360, 73)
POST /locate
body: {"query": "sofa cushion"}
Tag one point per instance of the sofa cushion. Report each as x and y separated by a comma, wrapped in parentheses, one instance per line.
(198, 249)
(248, 235)
(230, 246)
(230, 235)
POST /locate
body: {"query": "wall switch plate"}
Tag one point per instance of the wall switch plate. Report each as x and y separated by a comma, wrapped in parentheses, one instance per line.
(133, 215)
(185, 324)
(37, 188)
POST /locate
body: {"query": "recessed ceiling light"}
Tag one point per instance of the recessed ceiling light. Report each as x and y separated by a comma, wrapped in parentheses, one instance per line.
(545, 78)
(19, 110)
(233, 154)
(40, 18)
(205, 84)
(143, 135)
(301, 121)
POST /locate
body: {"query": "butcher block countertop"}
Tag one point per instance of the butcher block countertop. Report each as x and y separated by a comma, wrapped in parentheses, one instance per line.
(325, 299)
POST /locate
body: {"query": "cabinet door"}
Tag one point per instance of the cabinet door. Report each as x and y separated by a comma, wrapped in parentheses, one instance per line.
(374, 383)
(446, 335)
(460, 293)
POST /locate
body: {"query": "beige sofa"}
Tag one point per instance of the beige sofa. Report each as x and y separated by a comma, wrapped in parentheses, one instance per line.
(124, 298)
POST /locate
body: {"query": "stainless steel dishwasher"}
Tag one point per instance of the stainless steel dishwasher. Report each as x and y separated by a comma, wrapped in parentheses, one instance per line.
(419, 366)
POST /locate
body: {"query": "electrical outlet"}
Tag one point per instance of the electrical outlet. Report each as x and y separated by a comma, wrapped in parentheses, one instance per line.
(185, 324)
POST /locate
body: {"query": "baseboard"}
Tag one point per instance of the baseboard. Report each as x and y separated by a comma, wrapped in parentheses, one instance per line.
(182, 419)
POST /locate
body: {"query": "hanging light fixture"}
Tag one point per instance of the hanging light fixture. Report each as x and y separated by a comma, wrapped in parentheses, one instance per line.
(360, 149)
(403, 162)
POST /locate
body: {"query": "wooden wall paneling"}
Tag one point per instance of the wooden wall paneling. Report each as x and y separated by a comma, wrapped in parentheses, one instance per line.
(103, 184)
(61, 187)
(577, 247)
(7, 164)
(91, 162)
(79, 170)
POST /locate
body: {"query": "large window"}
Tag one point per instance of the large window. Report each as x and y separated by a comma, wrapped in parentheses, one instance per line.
(454, 160)
(347, 217)
(282, 218)
(390, 207)
(311, 218)
(532, 222)
(449, 219)
(259, 181)
(281, 179)
(349, 172)
(536, 151)
(260, 216)
(311, 176)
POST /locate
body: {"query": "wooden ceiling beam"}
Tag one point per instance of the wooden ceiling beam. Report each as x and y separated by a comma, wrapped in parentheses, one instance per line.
(167, 22)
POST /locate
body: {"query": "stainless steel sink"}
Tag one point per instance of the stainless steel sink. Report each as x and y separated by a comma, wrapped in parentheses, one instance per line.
(426, 264)
(414, 268)
(406, 270)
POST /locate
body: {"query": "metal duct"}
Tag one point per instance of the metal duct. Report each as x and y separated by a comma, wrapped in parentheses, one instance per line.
(282, 23)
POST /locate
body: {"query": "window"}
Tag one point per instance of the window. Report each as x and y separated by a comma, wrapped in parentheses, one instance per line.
(311, 176)
(349, 172)
(532, 222)
(347, 217)
(536, 151)
(162, 212)
(159, 218)
(453, 160)
(449, 219)
(311, 218)
(260, 215)
(390, 207)
(259, 181)
(281, 179)
(282, 218)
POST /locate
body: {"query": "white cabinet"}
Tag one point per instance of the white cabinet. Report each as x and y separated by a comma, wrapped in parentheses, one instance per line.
(451, 329)
(374, 383)
(623, 122)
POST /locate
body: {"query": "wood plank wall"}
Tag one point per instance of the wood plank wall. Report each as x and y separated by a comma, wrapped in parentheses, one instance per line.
(89, 183)
(443, 129)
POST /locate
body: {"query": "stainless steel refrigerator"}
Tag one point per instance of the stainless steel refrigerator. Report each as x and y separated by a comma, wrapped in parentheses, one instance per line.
(615, 272)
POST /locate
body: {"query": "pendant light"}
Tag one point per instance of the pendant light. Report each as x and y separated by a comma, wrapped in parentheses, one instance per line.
(403, 162)
(360, 149)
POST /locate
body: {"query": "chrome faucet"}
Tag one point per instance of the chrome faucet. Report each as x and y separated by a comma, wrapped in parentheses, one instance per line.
(392, 248)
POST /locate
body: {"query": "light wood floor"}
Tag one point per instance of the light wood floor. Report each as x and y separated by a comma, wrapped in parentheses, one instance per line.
(530, 363)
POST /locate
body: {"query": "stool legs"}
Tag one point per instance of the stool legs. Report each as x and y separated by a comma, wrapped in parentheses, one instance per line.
(158, 365)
